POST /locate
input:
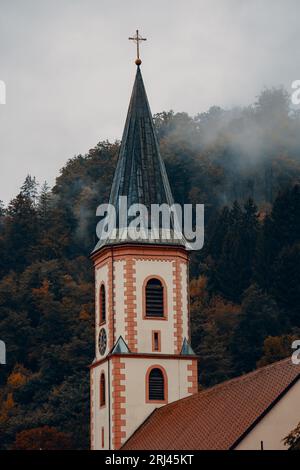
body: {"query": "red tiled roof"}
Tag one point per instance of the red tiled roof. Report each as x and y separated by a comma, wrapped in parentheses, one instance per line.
(217, 417)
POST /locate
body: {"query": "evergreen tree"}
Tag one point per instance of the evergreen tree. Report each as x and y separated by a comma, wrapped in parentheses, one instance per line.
(286, 285)
(20, 231)
(220, 227)
(29, 188)
(44, 203)
(265, 254)
(259, 319)
(285, 218)
(233, 270)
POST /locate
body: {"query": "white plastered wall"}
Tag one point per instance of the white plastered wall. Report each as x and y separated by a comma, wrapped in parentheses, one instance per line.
(137, 410)
(100, 415)
(119, 296)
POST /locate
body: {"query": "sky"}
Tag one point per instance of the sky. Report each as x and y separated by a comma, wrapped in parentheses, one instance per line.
(68, 67)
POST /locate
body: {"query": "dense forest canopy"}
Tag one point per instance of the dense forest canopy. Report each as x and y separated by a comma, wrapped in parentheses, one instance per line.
(244, 165)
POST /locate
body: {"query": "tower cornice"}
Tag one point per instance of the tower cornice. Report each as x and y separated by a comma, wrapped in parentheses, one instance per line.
(144, 356)
(139, 250)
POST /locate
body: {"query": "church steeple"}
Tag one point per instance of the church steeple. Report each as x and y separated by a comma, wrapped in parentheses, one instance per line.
(140, 174)
(142, 354)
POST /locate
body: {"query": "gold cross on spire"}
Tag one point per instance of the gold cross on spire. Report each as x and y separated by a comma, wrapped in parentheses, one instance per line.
(137, 38)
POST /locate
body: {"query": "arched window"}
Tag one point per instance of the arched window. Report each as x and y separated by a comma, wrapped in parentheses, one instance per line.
(102, 302)
(157, 386)
(154, 298)
(102, 389)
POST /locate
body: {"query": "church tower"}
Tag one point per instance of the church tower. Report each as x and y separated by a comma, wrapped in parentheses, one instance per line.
(142, 355)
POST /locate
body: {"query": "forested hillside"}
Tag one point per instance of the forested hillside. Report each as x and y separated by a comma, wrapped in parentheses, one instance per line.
(244, 165)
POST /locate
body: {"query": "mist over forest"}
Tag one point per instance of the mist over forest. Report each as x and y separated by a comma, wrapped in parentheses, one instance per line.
(212, 158)
(243, 164)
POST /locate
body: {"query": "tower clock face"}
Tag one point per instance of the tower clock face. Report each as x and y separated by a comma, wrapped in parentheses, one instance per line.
(102, 341)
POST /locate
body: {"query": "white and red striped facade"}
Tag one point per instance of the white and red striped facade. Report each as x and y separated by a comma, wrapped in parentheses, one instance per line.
(124, 271)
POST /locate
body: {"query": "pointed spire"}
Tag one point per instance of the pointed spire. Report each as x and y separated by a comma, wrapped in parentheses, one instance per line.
(140, 173)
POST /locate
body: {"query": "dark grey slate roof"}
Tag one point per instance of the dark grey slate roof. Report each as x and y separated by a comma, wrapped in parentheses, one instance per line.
(140, 174)
(120, 347)
(186, 349)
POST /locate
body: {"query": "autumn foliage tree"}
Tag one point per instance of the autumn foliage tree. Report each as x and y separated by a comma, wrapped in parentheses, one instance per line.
(43, 438)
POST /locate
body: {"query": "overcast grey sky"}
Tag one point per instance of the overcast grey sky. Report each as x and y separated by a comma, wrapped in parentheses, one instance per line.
(69, 68)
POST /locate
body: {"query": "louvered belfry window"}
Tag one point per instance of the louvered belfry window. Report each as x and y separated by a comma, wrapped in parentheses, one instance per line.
(102, 304)
(156, 385)
(154, 298)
